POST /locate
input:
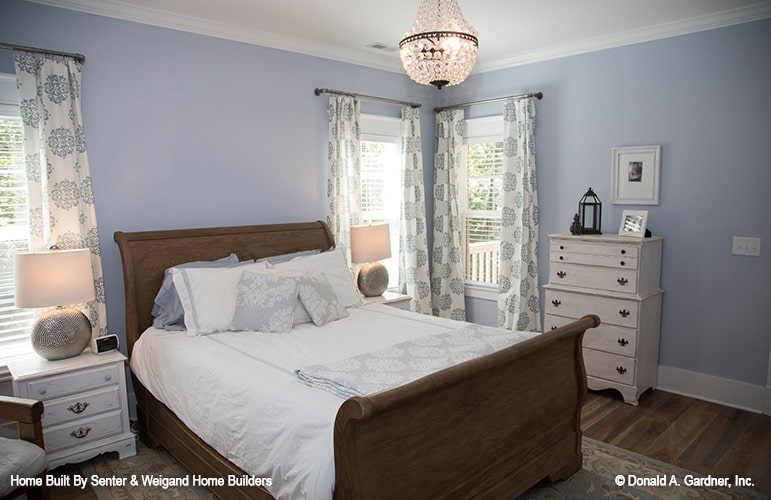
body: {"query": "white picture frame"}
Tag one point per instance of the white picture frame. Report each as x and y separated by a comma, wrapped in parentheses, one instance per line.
(633, 223)
(636, 175)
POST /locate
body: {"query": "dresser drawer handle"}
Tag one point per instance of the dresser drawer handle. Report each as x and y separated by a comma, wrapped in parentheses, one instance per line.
(621, 370)
(554, 327)
(622, 263)
(624, 313)
(623, 342)
(562, 257)
(556, 303)
(78, 407)
(81, 432)
(108, 377)
(561, 274)
(562, 247)
(623, 252)
(622, 281)
(42, 390)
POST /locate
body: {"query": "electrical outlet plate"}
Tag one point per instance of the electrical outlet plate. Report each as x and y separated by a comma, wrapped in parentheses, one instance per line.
(744, 245)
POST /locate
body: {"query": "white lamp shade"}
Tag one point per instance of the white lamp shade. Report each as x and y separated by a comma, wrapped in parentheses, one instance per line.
(55, 278)
(370, 242)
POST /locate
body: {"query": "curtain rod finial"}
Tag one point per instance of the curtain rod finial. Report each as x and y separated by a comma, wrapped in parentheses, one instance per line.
(317, 91)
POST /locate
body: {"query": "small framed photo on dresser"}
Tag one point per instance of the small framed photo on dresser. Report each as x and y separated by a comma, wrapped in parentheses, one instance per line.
(633, 223)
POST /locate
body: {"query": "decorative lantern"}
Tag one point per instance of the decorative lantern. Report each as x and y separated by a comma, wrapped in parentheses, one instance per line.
(590, 209)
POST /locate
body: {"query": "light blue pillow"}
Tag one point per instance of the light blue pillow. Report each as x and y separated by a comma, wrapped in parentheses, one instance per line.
(320, 300)
(167, 310)
(266, 302)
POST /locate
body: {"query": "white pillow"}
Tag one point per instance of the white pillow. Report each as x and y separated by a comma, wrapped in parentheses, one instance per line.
(265, 303)
(334, 265)
(208, 295)
(320, 300)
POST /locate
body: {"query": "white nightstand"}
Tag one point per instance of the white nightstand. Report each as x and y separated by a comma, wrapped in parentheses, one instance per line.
(392, 299)
(86, 409)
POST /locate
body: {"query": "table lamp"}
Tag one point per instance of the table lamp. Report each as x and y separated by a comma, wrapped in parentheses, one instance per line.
(369, 244)
(56, 278)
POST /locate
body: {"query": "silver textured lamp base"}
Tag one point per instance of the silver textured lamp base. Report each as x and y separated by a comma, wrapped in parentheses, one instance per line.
(61, 333)
(373, 279)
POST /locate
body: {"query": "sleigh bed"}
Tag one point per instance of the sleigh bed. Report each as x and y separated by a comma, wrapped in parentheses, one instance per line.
(491, 427)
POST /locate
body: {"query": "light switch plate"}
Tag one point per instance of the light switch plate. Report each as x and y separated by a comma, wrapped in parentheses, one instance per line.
(744, 245)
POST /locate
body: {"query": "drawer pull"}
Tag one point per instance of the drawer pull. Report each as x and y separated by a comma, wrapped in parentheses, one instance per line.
(623, 342)
(561, 274)
(562, 257)
(554, 327)
(562, 247)
(556, 303)
(621, 370)
(622, 281)
(108, 377)
(624, 313)
(623, 252)
(78, 407)
(81, 432)
(42, 390)
(622, 263)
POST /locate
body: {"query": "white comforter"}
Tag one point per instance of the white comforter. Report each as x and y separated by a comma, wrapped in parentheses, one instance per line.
(239, 393)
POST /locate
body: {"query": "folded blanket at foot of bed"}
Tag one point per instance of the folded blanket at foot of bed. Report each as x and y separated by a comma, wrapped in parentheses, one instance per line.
(401, 363)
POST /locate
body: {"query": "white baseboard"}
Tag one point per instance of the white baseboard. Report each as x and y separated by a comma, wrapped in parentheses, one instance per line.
(733, 393)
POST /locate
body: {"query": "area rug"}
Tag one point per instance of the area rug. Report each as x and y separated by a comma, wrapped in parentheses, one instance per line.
(606, 472)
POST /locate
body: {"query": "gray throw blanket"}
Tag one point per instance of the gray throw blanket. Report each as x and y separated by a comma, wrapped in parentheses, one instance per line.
(399, 364)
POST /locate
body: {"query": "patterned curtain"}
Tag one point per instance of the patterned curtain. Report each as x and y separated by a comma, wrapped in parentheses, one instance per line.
(59, 191)
(344, 169)
(448, 281)
(518, 296)
(413, 245)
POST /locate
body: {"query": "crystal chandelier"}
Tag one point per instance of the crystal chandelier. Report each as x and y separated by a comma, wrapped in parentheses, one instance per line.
(441, 46)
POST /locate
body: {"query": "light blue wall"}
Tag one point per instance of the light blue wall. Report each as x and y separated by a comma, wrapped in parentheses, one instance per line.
(187, 131)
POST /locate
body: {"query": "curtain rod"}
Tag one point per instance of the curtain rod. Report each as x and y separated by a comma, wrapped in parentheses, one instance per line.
(78, 57)
(373, 98)
(537, 95)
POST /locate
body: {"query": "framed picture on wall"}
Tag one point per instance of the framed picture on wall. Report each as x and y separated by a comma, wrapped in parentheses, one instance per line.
(635, 178)
(633, 223)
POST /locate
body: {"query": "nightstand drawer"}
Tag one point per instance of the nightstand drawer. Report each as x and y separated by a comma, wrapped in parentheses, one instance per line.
(81, 405)
(82, 431)
(575, 305)
(609, 366)
(74, 382)
(600, 278)
(609, 338)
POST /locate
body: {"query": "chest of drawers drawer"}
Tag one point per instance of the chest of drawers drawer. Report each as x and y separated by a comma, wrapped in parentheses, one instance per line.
(598, 278)
(614, 311)
(608, 366)
(608, 338)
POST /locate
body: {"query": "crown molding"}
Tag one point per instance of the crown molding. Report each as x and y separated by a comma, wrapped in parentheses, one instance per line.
(389, 62)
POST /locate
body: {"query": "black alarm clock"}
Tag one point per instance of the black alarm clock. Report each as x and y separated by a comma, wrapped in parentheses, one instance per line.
(105, 343)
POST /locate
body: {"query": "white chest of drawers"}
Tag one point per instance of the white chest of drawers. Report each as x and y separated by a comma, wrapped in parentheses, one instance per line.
(618, 279)
(86, 410)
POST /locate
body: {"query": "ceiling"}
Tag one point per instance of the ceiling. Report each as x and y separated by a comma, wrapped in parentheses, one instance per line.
(511, 32)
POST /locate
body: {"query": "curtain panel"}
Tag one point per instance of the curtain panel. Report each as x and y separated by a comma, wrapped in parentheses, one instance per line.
(414, 277)
(59, 191)
(518, 295)
(448, 279)
(344, 169)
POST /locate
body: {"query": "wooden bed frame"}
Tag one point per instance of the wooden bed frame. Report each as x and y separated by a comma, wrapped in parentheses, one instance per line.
(492, 427)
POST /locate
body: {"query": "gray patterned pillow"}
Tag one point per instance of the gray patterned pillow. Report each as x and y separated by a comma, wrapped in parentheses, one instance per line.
(266, 303)
(320, 300)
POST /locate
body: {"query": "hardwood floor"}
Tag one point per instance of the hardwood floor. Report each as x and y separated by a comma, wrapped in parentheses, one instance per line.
(696, 435)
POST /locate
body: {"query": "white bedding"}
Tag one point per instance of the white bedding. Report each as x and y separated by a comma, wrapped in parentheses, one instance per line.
(239, 393)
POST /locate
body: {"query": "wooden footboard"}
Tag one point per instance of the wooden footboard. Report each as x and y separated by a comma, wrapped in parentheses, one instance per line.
(492, 427)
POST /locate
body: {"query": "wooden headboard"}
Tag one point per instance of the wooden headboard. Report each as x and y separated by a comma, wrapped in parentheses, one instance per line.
(146, 255)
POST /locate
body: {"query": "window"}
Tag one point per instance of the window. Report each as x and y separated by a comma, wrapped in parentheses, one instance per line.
(381, 180)
(482, 198)
(15, 324)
